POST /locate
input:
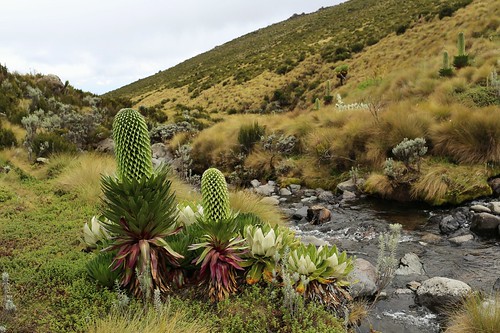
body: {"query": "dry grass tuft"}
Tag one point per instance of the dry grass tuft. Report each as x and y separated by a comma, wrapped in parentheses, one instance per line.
(245, 201)
(379, 184)
(471, 136)
(81, 174)
(432, 187)
(478, 314)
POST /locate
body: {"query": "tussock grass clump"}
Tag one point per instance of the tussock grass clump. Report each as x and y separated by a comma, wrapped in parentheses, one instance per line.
(247, 202)
(478, 314)
(81, 174)
(432, 187)
(380, 185)
(471, 136)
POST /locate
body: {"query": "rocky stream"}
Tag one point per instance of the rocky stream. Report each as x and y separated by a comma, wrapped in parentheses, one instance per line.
(441, 259)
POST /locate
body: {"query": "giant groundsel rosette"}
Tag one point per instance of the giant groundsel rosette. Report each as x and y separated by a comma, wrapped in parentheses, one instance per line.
(215, 195)
(132, 145)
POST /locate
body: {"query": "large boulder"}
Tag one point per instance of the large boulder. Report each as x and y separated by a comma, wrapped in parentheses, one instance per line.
(485, 224)
(106, 146)
(439, 292)
(161, 152)
(363, 279)
(410, 265)
(318, 215)
(494, 206)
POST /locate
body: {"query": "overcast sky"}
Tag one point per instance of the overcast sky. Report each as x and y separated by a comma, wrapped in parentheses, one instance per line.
(101, 45)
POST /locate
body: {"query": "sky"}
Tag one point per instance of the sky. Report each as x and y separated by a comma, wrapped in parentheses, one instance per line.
(102, 45)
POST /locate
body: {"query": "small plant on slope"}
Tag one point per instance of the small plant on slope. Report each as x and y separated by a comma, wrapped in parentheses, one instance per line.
(410, 152)
(446, 70)
(462, 59)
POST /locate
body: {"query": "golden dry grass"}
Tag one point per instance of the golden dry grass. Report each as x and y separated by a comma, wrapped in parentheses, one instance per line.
(471, 136)
(478, 314)
(379, 184)
(81, 174)
(432, 187)
(245, 201)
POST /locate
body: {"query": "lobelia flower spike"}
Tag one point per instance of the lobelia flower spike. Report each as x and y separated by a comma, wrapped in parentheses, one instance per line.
(215, 196)
(132, 145)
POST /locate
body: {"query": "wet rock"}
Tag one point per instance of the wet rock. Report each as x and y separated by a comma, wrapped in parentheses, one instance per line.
(363, 279)
(431, 238)
(318, 215)
(300, 213)
(255, 183)
(485, 224)
(494, 206)
(285, 192)
(448, 225)
(270, 201)
(495, 185)
(348, 185)
(461, 239)
(326, 196)
(409, 265)
(480, 209)
(439, 292)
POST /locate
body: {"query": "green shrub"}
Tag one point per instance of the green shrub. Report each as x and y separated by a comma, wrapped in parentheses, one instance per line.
(7, 138)
(48, 143)
(250, 134)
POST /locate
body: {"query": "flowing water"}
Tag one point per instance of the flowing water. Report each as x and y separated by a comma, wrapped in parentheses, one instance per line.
(355, 227)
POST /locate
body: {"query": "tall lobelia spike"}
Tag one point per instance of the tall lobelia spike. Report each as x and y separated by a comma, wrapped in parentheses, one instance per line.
(215, 196)
(132, 145)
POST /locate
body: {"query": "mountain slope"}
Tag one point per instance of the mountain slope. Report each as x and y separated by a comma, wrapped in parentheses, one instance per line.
(326, 36)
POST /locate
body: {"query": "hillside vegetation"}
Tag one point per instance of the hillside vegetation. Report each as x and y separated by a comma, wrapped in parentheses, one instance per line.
(335, 91)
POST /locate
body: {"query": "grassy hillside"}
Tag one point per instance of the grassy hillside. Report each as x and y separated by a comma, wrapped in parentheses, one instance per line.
(284, 78)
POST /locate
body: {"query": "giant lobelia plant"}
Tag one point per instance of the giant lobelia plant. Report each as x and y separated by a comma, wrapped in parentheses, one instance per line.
(140, 209)
(215, 196)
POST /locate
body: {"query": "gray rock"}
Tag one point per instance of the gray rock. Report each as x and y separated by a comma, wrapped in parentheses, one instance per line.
(106, 146)
(413, 285)
(255, 183)
(449, 224)
(494, 206)
(283, 199)
(439, 292)
(294, 187)
(485, 224)
(409, 265)
(309, 193)
(318, 215)
(271, 183)
(285, 192)
(363, 279)
(265, 190)
(309, 199)
(461, 239)
(326, 196)
(348, 185)
(42, 160)
(270, 201)
(348, 195)
(300, 213)
(480, 209)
